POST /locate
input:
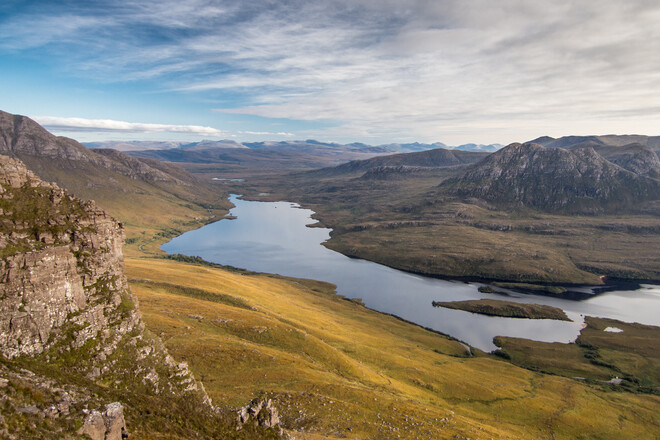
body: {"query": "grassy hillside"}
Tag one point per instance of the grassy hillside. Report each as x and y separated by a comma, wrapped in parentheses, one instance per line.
(338, 370)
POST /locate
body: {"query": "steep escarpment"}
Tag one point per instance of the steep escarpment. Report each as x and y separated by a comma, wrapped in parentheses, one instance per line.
(62, 265)
(529, 175)
(74, 353)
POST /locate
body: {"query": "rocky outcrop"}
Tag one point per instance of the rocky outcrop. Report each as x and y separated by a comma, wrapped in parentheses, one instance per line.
(64, 301)
(261, 412)
(62, 267)
(529, 175)
(105, 425)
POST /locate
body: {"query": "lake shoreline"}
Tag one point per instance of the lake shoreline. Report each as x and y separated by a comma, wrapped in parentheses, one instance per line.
(275, 238)
(610, 283)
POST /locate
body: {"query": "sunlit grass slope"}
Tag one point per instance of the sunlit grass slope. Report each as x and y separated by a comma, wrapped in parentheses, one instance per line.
(338, 370)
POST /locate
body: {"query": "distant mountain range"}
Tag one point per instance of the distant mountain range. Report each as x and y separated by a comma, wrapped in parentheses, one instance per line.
(393, 164)
(305, 145)
(585, 174)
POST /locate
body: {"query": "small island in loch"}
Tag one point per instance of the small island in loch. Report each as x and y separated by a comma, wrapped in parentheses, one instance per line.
(507, 309)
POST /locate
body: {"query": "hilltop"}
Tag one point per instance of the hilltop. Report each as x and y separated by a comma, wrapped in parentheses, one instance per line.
(436, 158)
(652, 142)
(554, 179)
(638, 154)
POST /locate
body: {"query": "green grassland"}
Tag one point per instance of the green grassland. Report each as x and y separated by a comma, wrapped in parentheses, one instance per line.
(632, 355)
(510, 309)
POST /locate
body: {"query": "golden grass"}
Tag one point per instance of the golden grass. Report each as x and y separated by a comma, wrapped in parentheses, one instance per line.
(339, 370)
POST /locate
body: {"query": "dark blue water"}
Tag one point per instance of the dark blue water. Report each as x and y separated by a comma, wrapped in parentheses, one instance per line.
(273, 237)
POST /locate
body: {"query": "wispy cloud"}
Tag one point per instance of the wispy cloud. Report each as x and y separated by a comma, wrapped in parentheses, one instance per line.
(108, 125)
(267, 133)
(380, 69)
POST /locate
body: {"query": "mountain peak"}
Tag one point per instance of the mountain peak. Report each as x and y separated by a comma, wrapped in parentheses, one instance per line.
(553, 179)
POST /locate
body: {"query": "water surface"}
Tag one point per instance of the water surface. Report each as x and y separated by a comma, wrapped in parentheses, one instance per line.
(273, 237)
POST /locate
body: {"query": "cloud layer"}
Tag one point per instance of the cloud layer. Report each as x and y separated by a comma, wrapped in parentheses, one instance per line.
(109, 125)
(375, 70)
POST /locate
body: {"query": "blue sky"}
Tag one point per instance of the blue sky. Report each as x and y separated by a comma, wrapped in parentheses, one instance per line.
(373, 71)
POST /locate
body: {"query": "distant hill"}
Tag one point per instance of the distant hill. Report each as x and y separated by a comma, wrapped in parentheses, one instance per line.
(133, 145)
(416, 146)
(412, 147)
(309, 146)
(490, 148)
(162, 145)
(553, 179)
(638, 158)
(403, 162)
(262, 156)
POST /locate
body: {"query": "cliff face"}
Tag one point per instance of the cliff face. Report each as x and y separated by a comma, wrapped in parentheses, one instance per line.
(62, 267)
(68, 322)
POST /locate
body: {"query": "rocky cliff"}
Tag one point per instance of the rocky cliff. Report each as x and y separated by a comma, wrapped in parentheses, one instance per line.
(71, 336)
(554, 179)
(62, 267)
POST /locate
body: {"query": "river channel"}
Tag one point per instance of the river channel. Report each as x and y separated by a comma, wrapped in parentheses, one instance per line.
(273, 237)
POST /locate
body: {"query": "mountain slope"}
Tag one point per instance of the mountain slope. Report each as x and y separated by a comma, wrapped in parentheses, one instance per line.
(553, 179)
(638, 154)
(122, 184)
(638, 158)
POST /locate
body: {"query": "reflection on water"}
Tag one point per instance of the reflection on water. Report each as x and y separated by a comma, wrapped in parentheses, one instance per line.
(272, 237)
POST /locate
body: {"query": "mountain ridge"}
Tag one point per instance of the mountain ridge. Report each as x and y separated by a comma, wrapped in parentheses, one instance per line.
(553, 179)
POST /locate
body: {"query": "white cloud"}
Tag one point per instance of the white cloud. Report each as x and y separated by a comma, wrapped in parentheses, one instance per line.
(109, 125)
(266, 133)
(454, 70)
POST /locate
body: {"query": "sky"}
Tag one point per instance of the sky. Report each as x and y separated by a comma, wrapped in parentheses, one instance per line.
(372, 71)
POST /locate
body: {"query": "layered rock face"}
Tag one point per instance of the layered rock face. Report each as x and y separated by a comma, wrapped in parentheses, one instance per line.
(66, 310)
(61, 268)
